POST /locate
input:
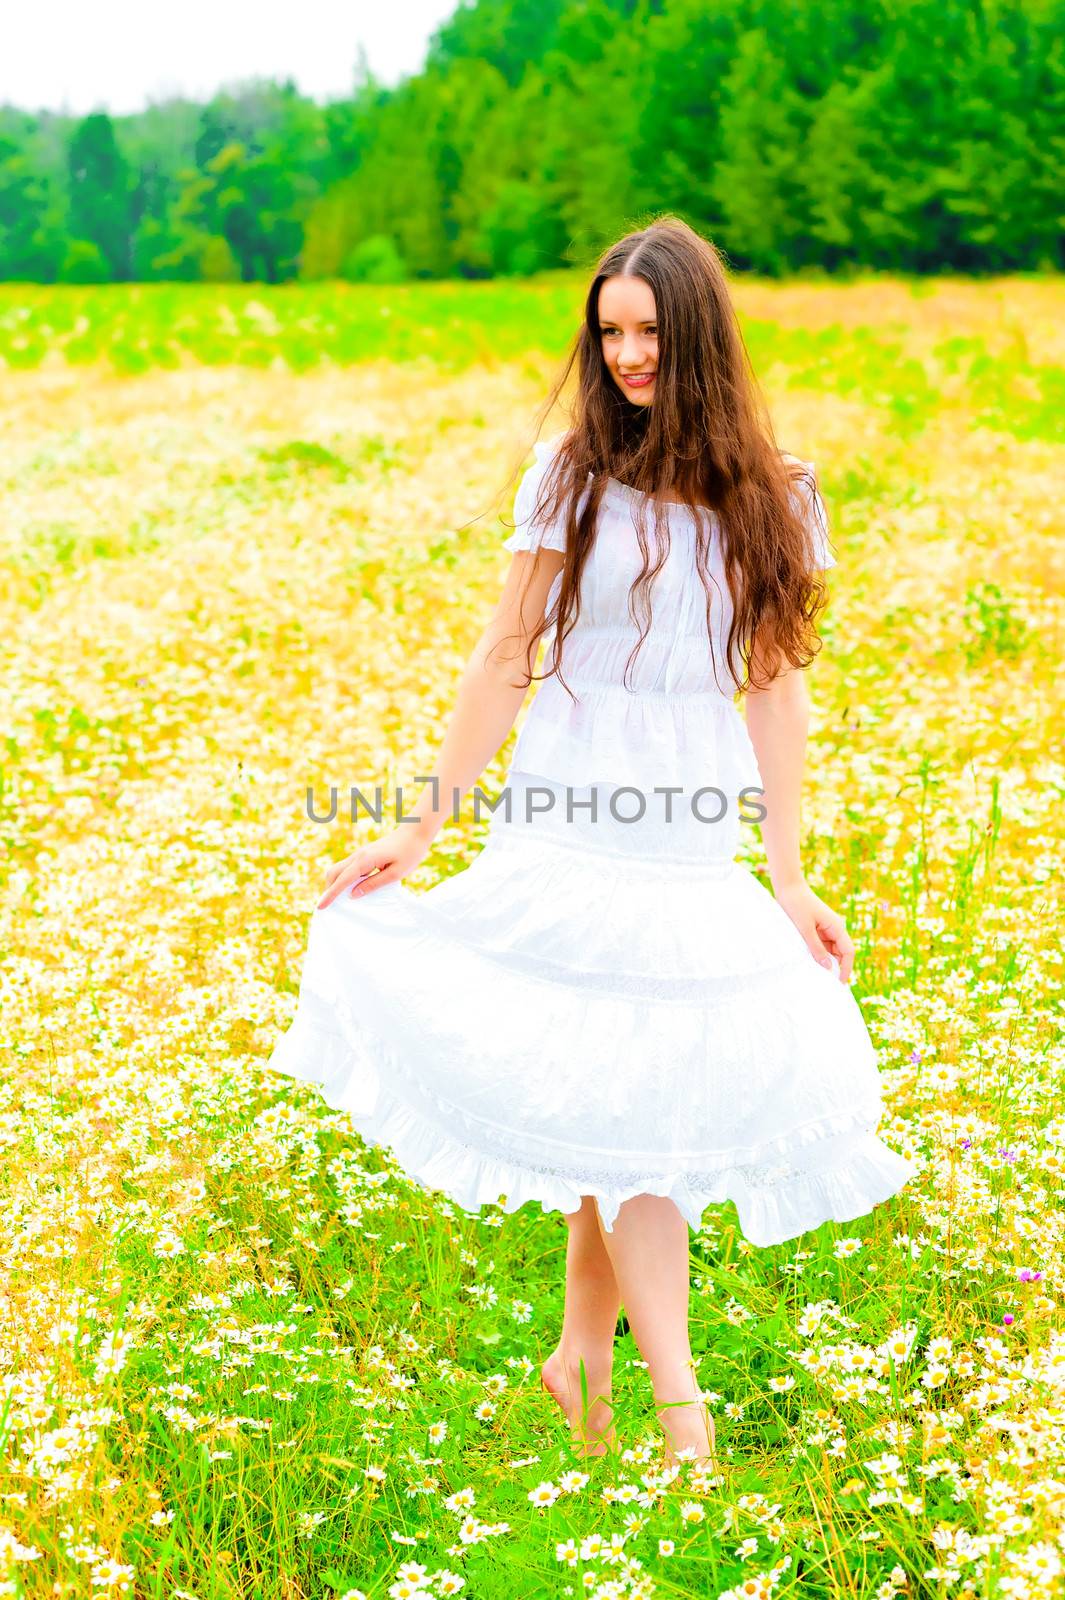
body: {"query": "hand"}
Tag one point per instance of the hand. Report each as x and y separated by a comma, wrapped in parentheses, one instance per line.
(388, 859)
(823, 929)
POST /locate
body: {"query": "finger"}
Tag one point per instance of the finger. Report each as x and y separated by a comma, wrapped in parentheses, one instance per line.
(335, 868)
(818, 951)
(341, 882)
(843, 963)
(846, 958)
(369, 882)
(841, 945)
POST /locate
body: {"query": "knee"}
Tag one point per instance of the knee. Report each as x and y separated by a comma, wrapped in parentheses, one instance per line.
(656, 1212)
(588, 1211)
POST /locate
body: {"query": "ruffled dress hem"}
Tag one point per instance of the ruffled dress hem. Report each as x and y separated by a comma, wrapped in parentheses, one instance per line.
(835, 1168)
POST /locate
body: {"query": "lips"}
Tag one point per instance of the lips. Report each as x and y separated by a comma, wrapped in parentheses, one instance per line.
(639, 380)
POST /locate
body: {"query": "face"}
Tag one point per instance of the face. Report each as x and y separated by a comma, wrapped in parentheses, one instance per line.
(629, 336)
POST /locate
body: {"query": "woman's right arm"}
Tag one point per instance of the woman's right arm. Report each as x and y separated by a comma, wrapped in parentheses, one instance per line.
(490, 695)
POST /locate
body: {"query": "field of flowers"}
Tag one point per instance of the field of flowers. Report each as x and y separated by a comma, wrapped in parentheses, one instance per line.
(249, 537)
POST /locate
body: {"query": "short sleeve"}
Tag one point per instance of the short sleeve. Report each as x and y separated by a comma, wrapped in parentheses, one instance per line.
(532, 532)
(815, 517)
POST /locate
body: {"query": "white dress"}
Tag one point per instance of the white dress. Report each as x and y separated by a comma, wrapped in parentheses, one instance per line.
(598, 1005)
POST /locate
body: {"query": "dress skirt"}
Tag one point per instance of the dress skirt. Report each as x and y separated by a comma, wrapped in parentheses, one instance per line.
(602, 1003)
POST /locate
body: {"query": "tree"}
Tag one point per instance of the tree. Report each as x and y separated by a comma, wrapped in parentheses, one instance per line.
(31, 240)
(758, 182)
(84, 262)
(254, 203)
(99, 192)
(375, 260)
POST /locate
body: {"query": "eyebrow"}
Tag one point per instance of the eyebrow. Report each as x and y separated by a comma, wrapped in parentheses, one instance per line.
(610, 323)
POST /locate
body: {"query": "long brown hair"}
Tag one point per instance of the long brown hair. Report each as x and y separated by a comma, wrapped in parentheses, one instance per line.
(706, 438)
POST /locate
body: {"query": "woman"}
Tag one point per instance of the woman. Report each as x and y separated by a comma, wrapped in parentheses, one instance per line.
(606, 1012)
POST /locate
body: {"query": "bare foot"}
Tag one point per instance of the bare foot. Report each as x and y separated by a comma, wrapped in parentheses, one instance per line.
(686, 1439)
(562, 1380)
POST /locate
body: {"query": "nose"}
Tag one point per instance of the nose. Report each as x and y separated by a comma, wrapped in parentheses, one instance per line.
(631, 356)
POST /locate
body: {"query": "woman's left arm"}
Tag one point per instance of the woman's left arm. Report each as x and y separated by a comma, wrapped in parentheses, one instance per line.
(778, 720)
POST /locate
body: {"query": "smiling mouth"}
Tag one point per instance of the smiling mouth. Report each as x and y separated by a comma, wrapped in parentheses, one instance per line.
(638, 380)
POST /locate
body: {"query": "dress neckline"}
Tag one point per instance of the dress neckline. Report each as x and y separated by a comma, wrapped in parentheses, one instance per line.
(626, 492)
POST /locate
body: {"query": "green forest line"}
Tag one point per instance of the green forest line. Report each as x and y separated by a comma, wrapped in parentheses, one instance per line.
(914, 136)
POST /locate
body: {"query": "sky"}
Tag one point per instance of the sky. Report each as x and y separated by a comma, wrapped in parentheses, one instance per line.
(117, 55)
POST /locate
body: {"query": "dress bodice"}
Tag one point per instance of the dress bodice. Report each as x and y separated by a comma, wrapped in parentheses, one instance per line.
(674, 720)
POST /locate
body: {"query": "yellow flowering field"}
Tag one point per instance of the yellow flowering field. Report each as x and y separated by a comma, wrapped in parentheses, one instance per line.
(249, 538)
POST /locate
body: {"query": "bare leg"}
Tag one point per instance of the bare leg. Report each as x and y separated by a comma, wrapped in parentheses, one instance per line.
(648, 1249)
(588, 1326)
